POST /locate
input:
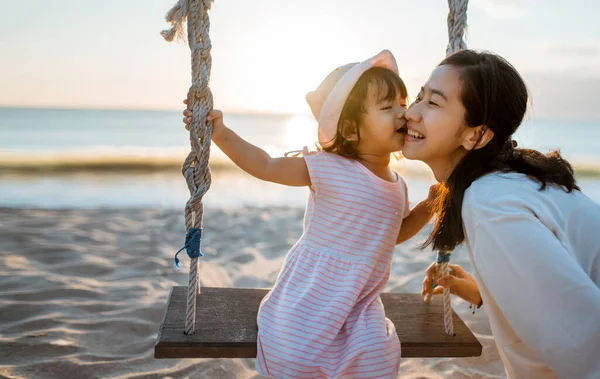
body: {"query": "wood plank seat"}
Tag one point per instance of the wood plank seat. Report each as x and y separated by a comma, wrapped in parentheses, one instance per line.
(226, 326)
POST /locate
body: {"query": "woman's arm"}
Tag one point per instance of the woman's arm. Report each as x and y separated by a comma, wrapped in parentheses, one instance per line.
(546, 297)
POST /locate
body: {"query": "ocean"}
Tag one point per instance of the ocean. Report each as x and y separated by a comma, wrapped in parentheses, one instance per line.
(87, 158)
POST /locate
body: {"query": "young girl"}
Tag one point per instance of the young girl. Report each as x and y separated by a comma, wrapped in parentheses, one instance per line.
(324, 317)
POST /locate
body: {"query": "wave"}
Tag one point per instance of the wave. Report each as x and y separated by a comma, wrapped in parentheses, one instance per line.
(161, 160)
(95, 160)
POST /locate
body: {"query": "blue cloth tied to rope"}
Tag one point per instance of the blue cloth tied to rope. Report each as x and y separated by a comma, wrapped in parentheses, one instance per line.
(443, 257)
(192, 245)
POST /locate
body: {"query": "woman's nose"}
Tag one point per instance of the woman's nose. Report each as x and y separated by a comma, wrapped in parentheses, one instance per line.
(412, 113)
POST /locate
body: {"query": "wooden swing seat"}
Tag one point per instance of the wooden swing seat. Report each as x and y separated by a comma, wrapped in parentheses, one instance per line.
(226, 326)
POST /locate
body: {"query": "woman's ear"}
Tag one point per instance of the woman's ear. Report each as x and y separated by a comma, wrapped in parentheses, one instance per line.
(477, 137)
(349, 130)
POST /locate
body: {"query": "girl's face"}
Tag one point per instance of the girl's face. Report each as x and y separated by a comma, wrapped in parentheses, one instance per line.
(383, 126)
(437, 132)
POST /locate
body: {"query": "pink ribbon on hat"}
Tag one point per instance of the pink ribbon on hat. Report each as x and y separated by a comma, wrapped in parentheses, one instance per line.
(333, 105)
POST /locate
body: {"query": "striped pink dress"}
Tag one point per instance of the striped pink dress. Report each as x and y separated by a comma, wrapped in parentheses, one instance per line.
(324, 317)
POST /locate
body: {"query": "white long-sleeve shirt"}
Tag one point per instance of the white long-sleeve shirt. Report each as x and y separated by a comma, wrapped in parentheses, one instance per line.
(536, 256)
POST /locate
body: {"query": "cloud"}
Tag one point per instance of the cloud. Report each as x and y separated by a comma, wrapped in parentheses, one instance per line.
(564, 95)
(573, 51)
(500, 9)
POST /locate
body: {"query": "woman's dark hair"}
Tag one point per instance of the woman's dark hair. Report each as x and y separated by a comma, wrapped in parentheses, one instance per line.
(386, 84)
(494, 95)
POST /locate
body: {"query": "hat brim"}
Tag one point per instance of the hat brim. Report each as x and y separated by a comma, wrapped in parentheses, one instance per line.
(334, 104)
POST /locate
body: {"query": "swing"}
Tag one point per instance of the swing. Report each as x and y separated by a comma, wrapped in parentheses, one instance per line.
(221, 322)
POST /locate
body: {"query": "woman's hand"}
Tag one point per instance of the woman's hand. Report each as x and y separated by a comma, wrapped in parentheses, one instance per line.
(216, 116)
(460, 282)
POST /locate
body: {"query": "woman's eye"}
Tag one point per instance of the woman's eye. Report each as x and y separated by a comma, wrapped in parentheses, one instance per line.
(432, 103)
(386, 108)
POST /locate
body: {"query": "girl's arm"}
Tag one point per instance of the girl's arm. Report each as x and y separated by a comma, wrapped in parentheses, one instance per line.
(291, 171)
(419, 216)
(544, 294)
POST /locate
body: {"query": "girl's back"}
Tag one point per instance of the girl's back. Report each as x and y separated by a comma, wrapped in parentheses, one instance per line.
(352, 213)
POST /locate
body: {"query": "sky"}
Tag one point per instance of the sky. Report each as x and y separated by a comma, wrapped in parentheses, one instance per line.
(267, 54)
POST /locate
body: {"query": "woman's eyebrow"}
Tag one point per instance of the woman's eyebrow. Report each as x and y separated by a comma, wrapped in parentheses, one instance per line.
(435, 92)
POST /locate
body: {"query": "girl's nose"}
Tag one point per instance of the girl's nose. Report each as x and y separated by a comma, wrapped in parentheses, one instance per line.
(401, 112)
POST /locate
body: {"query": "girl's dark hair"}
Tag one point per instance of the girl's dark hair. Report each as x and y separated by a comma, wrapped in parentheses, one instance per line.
(494, 95)
(386, 84)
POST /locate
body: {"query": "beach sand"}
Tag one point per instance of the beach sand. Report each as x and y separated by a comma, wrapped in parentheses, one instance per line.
(82, 292)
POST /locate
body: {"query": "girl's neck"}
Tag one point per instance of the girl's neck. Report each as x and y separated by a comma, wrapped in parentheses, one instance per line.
(374, 160)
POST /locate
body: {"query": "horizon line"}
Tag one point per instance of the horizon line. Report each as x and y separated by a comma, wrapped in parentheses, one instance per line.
(126, 108)
(257, 112)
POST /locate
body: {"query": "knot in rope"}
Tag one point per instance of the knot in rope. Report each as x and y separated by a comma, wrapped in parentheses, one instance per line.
(199, 90)
(203, 48)
(192, 245)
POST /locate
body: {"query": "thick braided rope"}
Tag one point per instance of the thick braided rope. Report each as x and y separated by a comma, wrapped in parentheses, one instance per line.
(448, 323)
(442, 269)
(436, 275)
(195, 167)
(457, 24)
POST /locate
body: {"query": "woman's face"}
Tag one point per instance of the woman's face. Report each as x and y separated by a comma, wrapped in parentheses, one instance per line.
(437, 132)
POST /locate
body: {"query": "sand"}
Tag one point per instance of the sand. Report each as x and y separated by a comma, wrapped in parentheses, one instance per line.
(82, 292)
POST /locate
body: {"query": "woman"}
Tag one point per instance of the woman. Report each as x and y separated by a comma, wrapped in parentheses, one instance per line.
(533, 237)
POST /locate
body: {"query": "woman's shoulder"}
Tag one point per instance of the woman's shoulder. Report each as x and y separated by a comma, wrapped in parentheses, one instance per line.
(510, 193)
(497, 192)
(503, 185)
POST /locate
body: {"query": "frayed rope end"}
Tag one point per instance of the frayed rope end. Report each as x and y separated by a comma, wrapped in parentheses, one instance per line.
(169, 34)
(176, 264)
(177, 17)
